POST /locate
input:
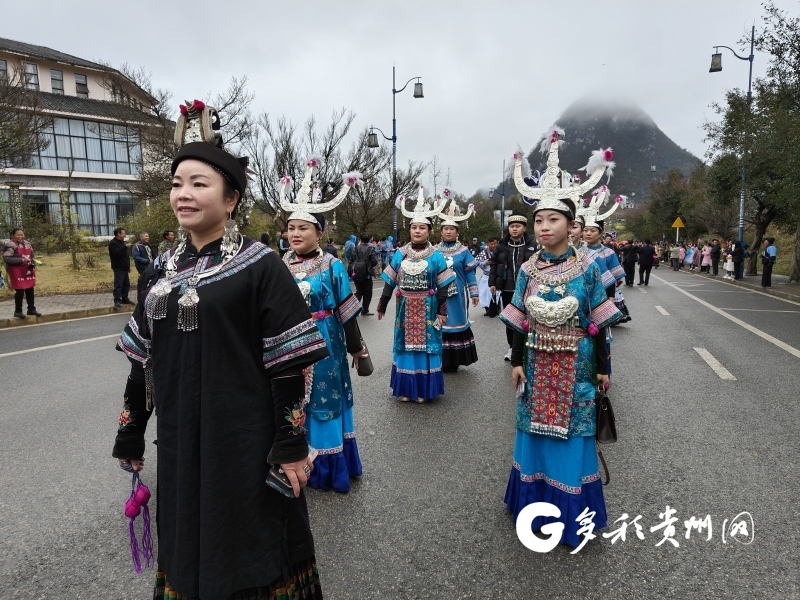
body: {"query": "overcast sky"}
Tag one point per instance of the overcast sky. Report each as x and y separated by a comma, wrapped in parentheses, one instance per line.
(496, 74)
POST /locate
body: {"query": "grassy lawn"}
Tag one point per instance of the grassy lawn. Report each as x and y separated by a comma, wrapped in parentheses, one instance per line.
(56, 276)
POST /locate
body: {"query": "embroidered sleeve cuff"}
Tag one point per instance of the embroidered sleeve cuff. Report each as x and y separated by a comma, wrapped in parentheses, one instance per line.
(513, 317)
(132, 342)
(445, 277)
(389, 275)
(473, 291)
(605, 314)
(348, 309)
(303, 341)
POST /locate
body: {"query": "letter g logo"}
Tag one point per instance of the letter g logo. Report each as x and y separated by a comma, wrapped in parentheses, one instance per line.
(554, 530)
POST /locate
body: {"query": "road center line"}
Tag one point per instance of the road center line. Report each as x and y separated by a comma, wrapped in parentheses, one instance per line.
(662, 311)
(772, 340)
(94, 339)
(642, 290)
(715, 364)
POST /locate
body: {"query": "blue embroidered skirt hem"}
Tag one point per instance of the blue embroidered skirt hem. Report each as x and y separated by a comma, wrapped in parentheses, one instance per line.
(333, 471)
(338, 458)
(561, 472)
(417, 375)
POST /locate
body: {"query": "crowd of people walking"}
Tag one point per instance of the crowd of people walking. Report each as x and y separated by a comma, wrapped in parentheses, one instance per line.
(266, 356)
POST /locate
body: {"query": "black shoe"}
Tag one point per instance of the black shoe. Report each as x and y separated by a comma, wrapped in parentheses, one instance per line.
(32, 312)
(367, 314)
(127, 301)
(640, 283)
(19, 314)
(117, 304)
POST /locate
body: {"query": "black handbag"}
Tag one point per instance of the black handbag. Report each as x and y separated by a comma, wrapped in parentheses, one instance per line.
(364, 366)
(606, 429)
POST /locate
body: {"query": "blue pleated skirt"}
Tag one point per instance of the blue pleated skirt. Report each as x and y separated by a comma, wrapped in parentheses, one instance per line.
(562, 472)
(338, 458)
(417, 375)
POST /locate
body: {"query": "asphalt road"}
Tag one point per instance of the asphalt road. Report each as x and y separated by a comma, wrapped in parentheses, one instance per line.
(427, 519)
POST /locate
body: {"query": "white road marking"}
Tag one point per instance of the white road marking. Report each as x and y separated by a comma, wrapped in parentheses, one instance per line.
(662, 311)
(715, 364)
(772, 340)
(16, 327)
(94, 339)
(763, 310)
(751, 291)
(641, 289)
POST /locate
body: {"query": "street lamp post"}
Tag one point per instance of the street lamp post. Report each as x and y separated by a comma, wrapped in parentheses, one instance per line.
(502, 200)
(372, 140)
(716, 66)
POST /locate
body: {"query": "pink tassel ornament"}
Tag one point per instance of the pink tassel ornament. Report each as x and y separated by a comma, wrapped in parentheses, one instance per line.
(134, 506)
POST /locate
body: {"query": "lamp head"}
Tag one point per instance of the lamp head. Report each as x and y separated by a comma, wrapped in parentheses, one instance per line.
(418, 90)
(716, 63)
(372, 140)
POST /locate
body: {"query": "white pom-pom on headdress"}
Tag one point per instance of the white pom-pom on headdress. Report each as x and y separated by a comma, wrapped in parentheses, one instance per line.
(400, 200)
(601, 158)
(285, 180)
(448, 193)
(621, 198)
(554, 134)
(352, 178)
(314, 162)
(518, 155)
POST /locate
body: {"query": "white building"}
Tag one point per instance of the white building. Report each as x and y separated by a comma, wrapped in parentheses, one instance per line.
(97, 114)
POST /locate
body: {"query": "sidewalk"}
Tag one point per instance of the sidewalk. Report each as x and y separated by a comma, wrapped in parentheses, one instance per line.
(61, 308)
(780, 285)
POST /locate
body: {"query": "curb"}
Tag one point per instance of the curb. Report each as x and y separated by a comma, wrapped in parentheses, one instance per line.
(768, 291)
(65, 316)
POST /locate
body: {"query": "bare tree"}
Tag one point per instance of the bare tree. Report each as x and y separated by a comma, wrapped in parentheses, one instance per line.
(277, 147)
(22, 121)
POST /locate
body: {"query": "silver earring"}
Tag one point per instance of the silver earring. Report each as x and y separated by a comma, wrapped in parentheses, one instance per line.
(230, 239)
(183, 235)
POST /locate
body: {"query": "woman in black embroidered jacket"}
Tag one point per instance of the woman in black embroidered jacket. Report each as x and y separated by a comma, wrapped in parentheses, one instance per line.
(220, 336)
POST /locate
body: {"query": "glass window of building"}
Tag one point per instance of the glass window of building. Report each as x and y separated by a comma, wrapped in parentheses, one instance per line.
(31, 76)
(3, 70)
(80, 86)
(90, 147)
(97, 212)
(57, 81)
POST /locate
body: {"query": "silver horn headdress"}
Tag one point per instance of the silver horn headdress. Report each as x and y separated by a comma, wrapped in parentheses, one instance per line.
(590, 211)
(424, 209)
(453, 217)
(306, 201)
(553, 187)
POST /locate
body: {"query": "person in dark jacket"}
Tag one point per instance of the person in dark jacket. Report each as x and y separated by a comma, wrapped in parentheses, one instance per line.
(331, 249)
(630, 255)
(143, 252)
(362, 266)
(716, 252)
(121, 265)
(646, 254)
(737, 252)
(512, 251)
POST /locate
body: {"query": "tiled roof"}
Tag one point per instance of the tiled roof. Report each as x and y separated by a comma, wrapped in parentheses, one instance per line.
(45, 53)
(89, 106)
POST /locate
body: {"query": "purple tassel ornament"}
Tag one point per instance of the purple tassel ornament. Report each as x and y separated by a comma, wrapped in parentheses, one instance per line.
(134, 506)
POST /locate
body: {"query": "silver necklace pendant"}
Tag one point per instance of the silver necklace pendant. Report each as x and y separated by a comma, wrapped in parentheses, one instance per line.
(158, 298)
(187, 306)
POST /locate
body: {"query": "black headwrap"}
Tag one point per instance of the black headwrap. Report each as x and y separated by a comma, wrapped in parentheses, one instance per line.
(228, 165)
